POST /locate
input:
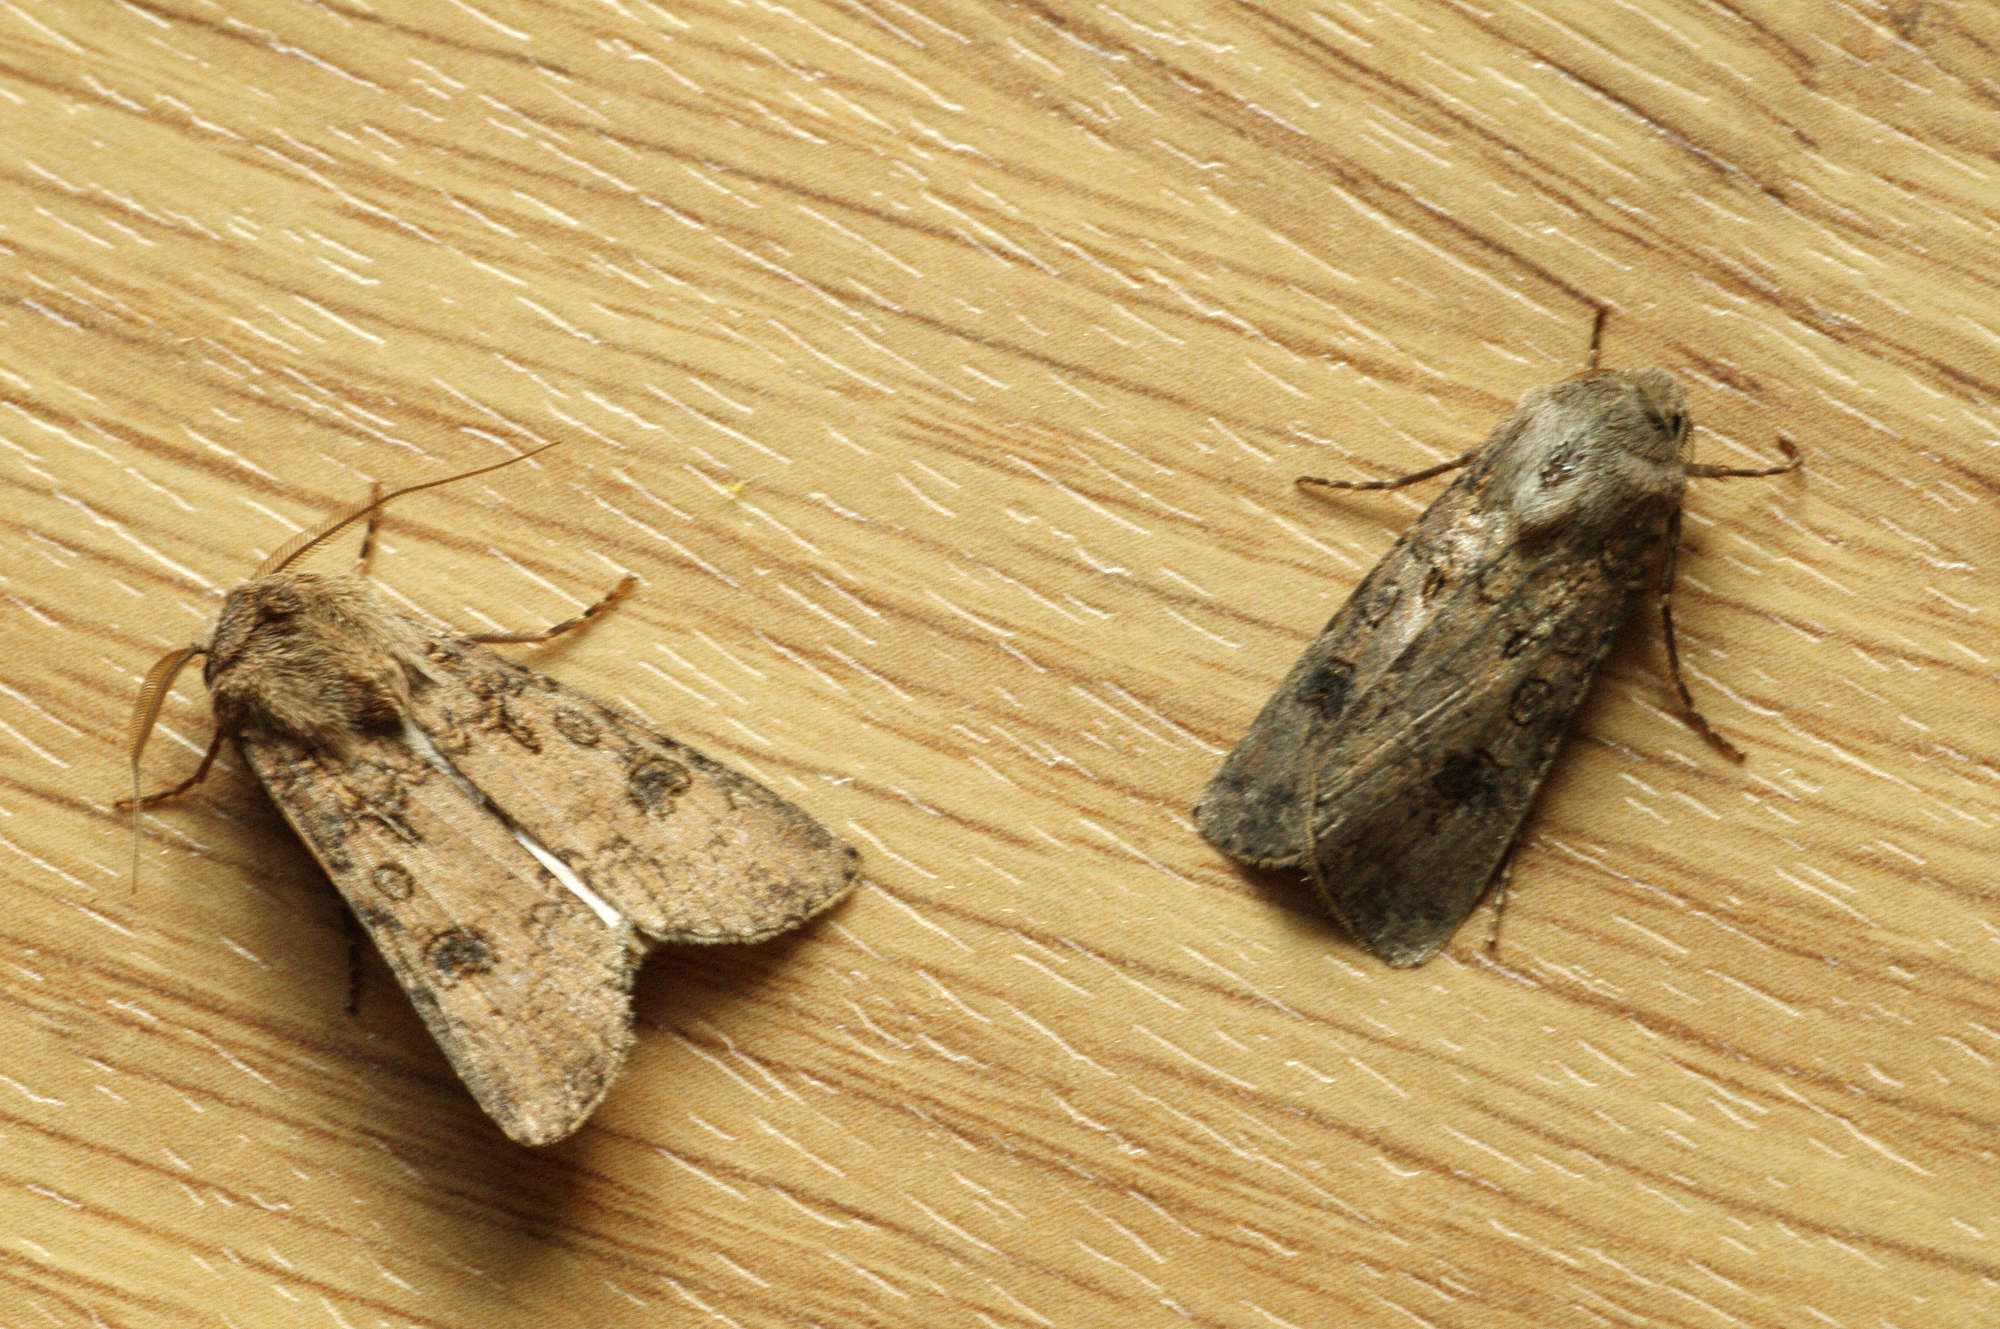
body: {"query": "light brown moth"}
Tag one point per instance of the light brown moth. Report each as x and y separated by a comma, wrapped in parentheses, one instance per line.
(513, 846)
(1398, 759)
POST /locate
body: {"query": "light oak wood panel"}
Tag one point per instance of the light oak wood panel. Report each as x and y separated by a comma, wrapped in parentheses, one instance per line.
(943, 372)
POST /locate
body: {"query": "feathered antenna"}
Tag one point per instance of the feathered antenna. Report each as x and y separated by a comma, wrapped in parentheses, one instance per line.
(153, 695)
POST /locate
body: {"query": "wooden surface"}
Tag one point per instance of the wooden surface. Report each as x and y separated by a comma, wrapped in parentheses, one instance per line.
(943, 373)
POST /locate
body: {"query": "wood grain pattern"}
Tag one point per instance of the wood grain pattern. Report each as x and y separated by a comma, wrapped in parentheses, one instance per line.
(943, 373)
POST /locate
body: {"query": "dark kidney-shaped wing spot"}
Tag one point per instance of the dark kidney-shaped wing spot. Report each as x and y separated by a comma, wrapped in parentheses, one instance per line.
(578, 726)
(656, 782)
(517, 727)
(1493, 585)
(1531, 699)
(1325, 688)
(1461, 778)
(1434, 582)
(393, 880)
(459, 953)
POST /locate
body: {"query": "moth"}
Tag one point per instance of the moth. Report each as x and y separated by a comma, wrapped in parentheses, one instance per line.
(512, 845)
(1398, 758)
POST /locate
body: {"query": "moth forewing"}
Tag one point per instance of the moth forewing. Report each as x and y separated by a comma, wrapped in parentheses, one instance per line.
(1399, 757)
(523, 985)
(688, 849)
(510, 844)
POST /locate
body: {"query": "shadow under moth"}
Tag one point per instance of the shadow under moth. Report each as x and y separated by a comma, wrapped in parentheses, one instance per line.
(1397, 761)
(513, 846)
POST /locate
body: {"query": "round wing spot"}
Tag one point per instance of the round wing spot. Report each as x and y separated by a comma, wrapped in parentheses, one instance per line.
(394, 881)
(1577, 635)
(459, 953)
(1531, 699)
(657, 782)
(548, 918)
(578, 726)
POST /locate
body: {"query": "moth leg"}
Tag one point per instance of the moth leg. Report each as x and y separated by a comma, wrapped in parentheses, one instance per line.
(617, 593)
(200, 774)
(1694, 717)
(367, 556)
(1503, 881)
(352, 927)
(1396, 483)
(1711, 472)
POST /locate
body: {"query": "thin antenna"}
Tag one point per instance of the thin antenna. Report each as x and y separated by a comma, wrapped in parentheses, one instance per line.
(305, 540)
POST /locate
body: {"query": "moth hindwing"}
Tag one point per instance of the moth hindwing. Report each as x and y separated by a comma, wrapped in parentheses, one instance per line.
(512, 845)
(1398, 758)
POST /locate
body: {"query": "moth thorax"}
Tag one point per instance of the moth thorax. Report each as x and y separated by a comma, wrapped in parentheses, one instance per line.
(308, 655)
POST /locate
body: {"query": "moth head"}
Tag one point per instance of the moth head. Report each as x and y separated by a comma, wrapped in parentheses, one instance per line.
(1639, 413)
(264, 617)
(1592, 446)
(306, 654)
(270, 607)
(1615, 414)
(315, 656)
(1664, 407)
